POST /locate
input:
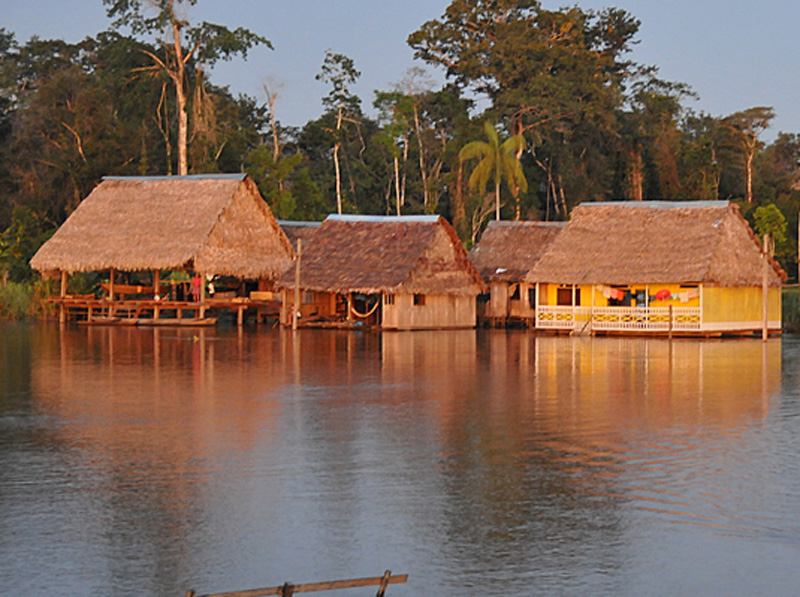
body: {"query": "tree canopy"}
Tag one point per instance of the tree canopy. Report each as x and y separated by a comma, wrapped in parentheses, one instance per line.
(587, 123)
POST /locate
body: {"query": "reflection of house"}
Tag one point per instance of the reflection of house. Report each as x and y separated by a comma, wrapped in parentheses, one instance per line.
(215, 224)
(506, 252)
(687, 267)
(403, 272)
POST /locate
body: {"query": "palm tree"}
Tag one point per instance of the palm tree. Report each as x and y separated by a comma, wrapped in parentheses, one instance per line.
(498, 161)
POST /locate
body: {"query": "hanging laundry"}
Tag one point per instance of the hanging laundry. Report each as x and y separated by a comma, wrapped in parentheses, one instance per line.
(662, 295)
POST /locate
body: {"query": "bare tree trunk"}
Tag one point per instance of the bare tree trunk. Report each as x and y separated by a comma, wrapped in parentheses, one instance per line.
(273, 124)
(178, 77)
(497, 199)
(397, 198)
(405, 171)
(749, 176)
(459, 210)
(163, 125)
(336, 162)
(636, 176)
(418, 128)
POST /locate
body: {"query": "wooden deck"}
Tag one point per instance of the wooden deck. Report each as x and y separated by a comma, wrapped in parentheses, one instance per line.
(88, 310)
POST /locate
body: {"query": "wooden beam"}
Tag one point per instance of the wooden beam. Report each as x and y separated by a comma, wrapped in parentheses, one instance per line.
(156, 291)
(62, 312)
(765, 290)
(379, 581)
(111, 275)
(296, 310)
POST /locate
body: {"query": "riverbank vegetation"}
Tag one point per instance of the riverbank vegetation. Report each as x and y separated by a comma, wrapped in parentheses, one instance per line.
(137, 100)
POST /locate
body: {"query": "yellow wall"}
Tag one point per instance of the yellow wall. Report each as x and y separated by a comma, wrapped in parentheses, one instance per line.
(740, 305)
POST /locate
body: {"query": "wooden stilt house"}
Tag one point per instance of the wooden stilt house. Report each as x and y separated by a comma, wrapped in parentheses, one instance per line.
(394, 272)
(507, 251)
(215, 224)
(663, 267)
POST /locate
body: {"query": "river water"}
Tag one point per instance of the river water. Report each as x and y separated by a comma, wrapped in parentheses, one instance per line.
(151, 461)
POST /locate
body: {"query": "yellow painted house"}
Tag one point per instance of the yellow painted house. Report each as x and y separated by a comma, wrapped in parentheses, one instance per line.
(691, 268)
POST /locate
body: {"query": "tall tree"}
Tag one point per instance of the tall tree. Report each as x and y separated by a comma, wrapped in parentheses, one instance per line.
(744, 129)
(497, 161)
(340, 72)
(205, 44)
(558, 76)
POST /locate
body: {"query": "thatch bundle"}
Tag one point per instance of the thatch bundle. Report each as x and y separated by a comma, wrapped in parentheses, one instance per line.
(215, 224)
(509, 249)
(373, 254)
(295, 230)
(655, 242)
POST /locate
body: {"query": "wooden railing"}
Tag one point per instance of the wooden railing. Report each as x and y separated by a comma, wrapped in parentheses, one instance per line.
(287, 589)
(633, 319)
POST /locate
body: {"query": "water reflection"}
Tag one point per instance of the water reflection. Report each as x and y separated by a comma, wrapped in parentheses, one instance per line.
(489, 461)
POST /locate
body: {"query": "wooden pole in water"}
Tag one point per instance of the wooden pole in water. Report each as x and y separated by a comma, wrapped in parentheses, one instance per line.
(62, 312)
(111, 275)
(202, 296)
(296, 310)
(156, 291)
(670, 322)
(765, 290)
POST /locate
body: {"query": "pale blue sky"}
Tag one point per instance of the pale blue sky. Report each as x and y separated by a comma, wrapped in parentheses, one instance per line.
(735, 54)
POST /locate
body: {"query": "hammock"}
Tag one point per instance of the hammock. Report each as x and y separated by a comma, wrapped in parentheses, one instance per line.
(368, 313)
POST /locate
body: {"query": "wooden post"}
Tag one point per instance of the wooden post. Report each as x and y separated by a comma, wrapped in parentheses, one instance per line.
(62, 311)
(296, 310)
(111, 275)
(765, 290)
(670, 322)
(156, 291)
(384, 583)
(202, 296)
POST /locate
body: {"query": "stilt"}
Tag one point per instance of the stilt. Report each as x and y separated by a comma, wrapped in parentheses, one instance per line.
(62, 311)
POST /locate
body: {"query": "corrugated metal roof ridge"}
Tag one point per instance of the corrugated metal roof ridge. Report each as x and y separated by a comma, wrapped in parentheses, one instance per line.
(658, 204)
(237, 176)
(309, 223)
(369, 218)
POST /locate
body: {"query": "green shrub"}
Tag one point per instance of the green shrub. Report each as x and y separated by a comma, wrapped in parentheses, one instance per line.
(791, 309)
(16, 300)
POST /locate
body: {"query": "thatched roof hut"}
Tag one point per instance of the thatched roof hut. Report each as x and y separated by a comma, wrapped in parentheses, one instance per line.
(295, 230)
(653, 242)
(509, 249)
(374, 254)
(214, 224)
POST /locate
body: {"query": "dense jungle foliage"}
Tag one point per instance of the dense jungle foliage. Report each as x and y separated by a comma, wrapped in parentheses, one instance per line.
(587, 124)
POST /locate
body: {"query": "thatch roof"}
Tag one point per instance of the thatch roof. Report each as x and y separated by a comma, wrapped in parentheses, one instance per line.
(299, 230)
(373, 254)
(509, 249)
(655, 242)
(215, 224)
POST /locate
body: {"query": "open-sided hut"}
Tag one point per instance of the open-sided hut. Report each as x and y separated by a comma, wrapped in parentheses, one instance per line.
(214, 224)
(395, 272)
(506, 252)
(657, 266)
